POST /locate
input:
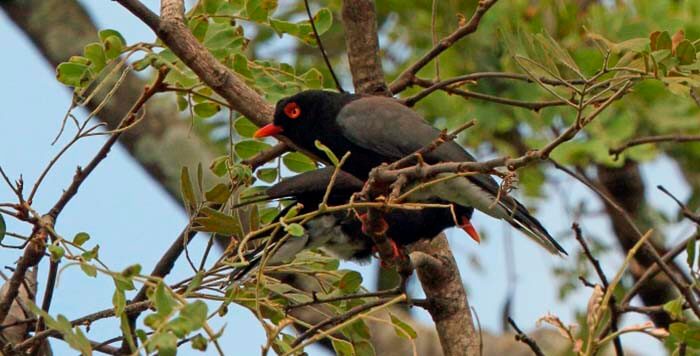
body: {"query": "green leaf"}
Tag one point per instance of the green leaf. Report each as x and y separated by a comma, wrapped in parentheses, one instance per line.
(89, 255)
(219, 194)
(690, 250)
(205, 110)
(199, 28)
(343, 348)
(73, 74)
(113, 47)
(240, 65)
(79, 60)
(323, 20)
(196, 312)
(685, 52)
(96, 54)
(298, 162)
(295, 230)
(162, 300)
(89, 269)
(259, 10)
(292, 212)
(249, 148)
(199, 342)
(80, 238)
(267, 214)
(122, 283)
(350, 282)
(211, 220)
(219, 166)
(663, 41)
(3, 227)
(677, 330)
(165, 343)
(131, 271)
(313, 79)
(192, 317)
(119, 302)
(331, 156)
(267, 175)
(402, 329)
(187, 189)
(195, 283)
(104, 34)
(364, 348)
(303, 30)
(56, 252)
(634, 45)
(244, 127)
(125, 327)
(220, 38)
(675, 308)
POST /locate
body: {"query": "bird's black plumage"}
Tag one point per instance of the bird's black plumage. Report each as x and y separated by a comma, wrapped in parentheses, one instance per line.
(381, 130)
(340, 233)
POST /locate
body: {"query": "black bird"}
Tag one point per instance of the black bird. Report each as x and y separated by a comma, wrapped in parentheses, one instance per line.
(377, 130)
(340, 233)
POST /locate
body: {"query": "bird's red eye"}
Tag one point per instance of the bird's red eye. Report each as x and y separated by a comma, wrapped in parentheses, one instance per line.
(292, 110)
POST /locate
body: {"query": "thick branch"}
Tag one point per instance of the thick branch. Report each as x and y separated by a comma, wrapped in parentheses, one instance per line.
(33, 254)
(447, 300)
(360, 23)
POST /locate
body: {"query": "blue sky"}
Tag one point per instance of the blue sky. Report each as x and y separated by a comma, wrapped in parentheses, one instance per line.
(134, 221)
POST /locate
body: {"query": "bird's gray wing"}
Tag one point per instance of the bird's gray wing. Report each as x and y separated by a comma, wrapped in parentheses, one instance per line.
(391, 129)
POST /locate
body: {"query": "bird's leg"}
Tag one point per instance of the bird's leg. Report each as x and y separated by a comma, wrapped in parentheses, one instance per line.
(380, 229)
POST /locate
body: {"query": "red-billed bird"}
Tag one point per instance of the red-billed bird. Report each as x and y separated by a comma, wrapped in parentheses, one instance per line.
(380, 130)
(340, 233)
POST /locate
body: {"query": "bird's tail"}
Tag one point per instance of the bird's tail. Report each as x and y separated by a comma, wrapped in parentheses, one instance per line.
(520, 218)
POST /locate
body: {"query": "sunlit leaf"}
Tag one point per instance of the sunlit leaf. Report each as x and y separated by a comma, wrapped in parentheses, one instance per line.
(298, 162)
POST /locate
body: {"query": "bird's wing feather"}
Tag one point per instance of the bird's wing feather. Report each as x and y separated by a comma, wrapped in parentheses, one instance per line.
(400, 132)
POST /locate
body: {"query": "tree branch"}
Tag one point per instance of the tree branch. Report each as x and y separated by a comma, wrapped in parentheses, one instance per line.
(447, 300)
(652, 139)
(360, 24)
(406, 77)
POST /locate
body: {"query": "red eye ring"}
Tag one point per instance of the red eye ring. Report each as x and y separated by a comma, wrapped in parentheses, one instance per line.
(292, 110)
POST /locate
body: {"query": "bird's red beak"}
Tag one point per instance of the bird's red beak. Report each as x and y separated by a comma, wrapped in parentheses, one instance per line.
(470, 230)
(267, 130)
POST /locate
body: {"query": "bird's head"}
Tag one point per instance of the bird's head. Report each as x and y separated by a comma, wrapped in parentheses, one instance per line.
(304, 116)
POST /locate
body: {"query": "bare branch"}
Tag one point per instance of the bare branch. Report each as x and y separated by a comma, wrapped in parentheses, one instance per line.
(614, 312)
(684, 208)
(405, 78)
(522, 337)
(131, 117)
(653, 139)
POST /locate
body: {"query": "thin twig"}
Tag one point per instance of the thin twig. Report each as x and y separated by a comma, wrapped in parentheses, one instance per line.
(320, 46)
(614, 312)
(405, 78)
(616, 151)
(684, 208)
(522, 337)
(82, 174)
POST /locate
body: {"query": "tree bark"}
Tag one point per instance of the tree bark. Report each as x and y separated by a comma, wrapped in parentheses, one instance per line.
(362, 43)
(437, 269)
